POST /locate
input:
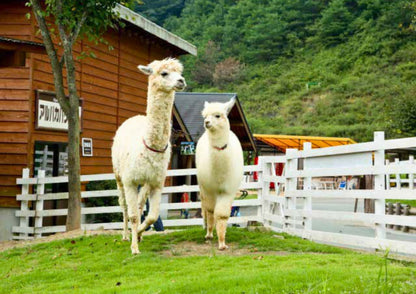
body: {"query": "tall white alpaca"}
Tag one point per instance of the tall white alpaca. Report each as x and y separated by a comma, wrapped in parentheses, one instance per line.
(141, 150)
(219, 163)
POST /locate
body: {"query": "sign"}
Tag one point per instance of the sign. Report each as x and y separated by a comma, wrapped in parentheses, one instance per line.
(187, 148)
(49, 114)
(86, 147)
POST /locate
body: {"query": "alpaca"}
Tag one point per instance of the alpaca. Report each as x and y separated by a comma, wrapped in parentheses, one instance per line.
(141, 149)
(219, 163)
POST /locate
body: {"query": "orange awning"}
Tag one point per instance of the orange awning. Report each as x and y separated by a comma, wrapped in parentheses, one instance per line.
(282, 142)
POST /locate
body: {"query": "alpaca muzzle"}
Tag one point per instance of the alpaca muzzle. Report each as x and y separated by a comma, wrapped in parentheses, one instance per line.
(180, 85)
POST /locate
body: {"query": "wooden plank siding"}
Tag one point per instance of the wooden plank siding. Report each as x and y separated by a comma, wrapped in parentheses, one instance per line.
(111, 87)
(14, 106)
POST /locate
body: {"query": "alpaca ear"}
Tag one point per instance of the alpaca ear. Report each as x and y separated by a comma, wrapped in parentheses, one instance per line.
(147, 70)
(229, 105)
(206, 104)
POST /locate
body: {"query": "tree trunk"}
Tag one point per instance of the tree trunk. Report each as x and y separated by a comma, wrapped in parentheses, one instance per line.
(73, 220)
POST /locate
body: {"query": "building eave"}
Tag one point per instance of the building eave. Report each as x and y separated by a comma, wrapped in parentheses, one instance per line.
(154, 29)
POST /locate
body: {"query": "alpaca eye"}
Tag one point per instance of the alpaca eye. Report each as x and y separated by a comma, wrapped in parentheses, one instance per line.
(218, 116)
(164, 74)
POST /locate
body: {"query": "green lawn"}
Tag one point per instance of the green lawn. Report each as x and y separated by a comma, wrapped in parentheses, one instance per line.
(180, 263)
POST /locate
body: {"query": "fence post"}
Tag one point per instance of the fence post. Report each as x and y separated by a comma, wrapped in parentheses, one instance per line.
(398, 180)
(307, 186)
(411, 176)
(263, 191)
(291, 186)
(40, 190)
(379, 184)
(24, 220)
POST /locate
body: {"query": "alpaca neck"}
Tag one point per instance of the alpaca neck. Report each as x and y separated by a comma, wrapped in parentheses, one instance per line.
(219, 138)
(158, 112)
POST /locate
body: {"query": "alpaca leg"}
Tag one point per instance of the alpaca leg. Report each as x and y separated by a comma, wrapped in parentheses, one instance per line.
(209, 205)
(133, 209)
(221, 215)
(143, 194)
(154, 203)
(123, 205)
(210, 224)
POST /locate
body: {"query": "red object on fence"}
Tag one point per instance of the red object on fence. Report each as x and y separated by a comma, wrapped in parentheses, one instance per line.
(185, 197)
(278, 169)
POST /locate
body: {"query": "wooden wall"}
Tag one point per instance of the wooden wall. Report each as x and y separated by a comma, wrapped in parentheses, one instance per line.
(111, 86)
(14, 105)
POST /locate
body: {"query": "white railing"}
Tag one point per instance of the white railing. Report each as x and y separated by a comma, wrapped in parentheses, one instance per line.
(31, 219)
(295, 205)
(311, 213)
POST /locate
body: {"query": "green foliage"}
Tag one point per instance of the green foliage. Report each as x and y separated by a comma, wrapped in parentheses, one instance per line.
(159, 10)
(361, 53)
(102, 201)
(177, 263)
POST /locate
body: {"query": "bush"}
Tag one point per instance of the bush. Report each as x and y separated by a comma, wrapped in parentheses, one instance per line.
(102, 201)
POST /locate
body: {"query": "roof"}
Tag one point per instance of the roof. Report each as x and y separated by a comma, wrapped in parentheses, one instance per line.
(21, 45)
(190, 106)
(154, 29)
(283, 142)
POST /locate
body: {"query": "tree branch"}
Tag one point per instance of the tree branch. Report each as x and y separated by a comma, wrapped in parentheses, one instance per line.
(51, 51)
(75, 32)
(61, 28)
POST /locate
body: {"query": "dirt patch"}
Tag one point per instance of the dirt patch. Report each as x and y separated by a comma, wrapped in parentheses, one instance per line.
(5, 245)
(210, 249)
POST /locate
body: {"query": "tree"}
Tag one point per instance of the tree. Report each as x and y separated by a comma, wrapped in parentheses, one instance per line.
(71, 19)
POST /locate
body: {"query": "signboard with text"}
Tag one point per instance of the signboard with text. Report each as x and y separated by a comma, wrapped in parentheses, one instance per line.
(49, 114)
(87, 147)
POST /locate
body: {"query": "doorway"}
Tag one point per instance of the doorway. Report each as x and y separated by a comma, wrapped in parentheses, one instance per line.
(53, 158)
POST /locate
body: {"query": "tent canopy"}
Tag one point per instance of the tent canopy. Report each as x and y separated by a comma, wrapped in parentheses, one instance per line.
(283, 142)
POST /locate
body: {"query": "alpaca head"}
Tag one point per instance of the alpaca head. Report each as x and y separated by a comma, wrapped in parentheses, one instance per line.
(165, 75)
(215, 115)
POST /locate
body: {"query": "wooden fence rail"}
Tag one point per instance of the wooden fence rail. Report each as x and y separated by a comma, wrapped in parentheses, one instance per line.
(290, 205)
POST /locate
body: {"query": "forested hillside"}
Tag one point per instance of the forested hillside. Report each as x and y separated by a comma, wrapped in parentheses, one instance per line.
(340, 68)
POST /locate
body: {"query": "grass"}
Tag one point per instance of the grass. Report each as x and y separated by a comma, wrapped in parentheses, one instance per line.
(270, 264)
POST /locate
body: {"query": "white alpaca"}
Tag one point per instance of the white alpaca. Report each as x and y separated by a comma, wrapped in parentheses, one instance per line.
(219, 163)
(141, 150)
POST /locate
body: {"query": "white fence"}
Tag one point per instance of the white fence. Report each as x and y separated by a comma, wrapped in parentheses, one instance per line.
(296, 206)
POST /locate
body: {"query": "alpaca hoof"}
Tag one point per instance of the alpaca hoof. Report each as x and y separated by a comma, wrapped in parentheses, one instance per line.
(222, 247)
(125, 239)
(135, 251)
(208, 237)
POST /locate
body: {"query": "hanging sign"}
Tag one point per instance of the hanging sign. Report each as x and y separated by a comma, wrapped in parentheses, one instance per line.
(187, 148)
(49, 114)
(86, 147)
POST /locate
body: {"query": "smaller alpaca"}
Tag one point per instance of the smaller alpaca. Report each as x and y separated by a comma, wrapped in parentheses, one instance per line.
(141, 149)
(219, 163)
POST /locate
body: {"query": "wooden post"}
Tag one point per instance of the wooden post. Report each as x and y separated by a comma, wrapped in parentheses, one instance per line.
(264, 190)
(24, 220)
(406, 211)
(369, 185)
(398, 180)
(40, 190)
(307, 186)
(397, 211)
(379, 184)
(411, 176)
(390, 211)
(291, 185)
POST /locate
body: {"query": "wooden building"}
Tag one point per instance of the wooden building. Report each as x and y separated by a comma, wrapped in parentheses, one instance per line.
(110, 86)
